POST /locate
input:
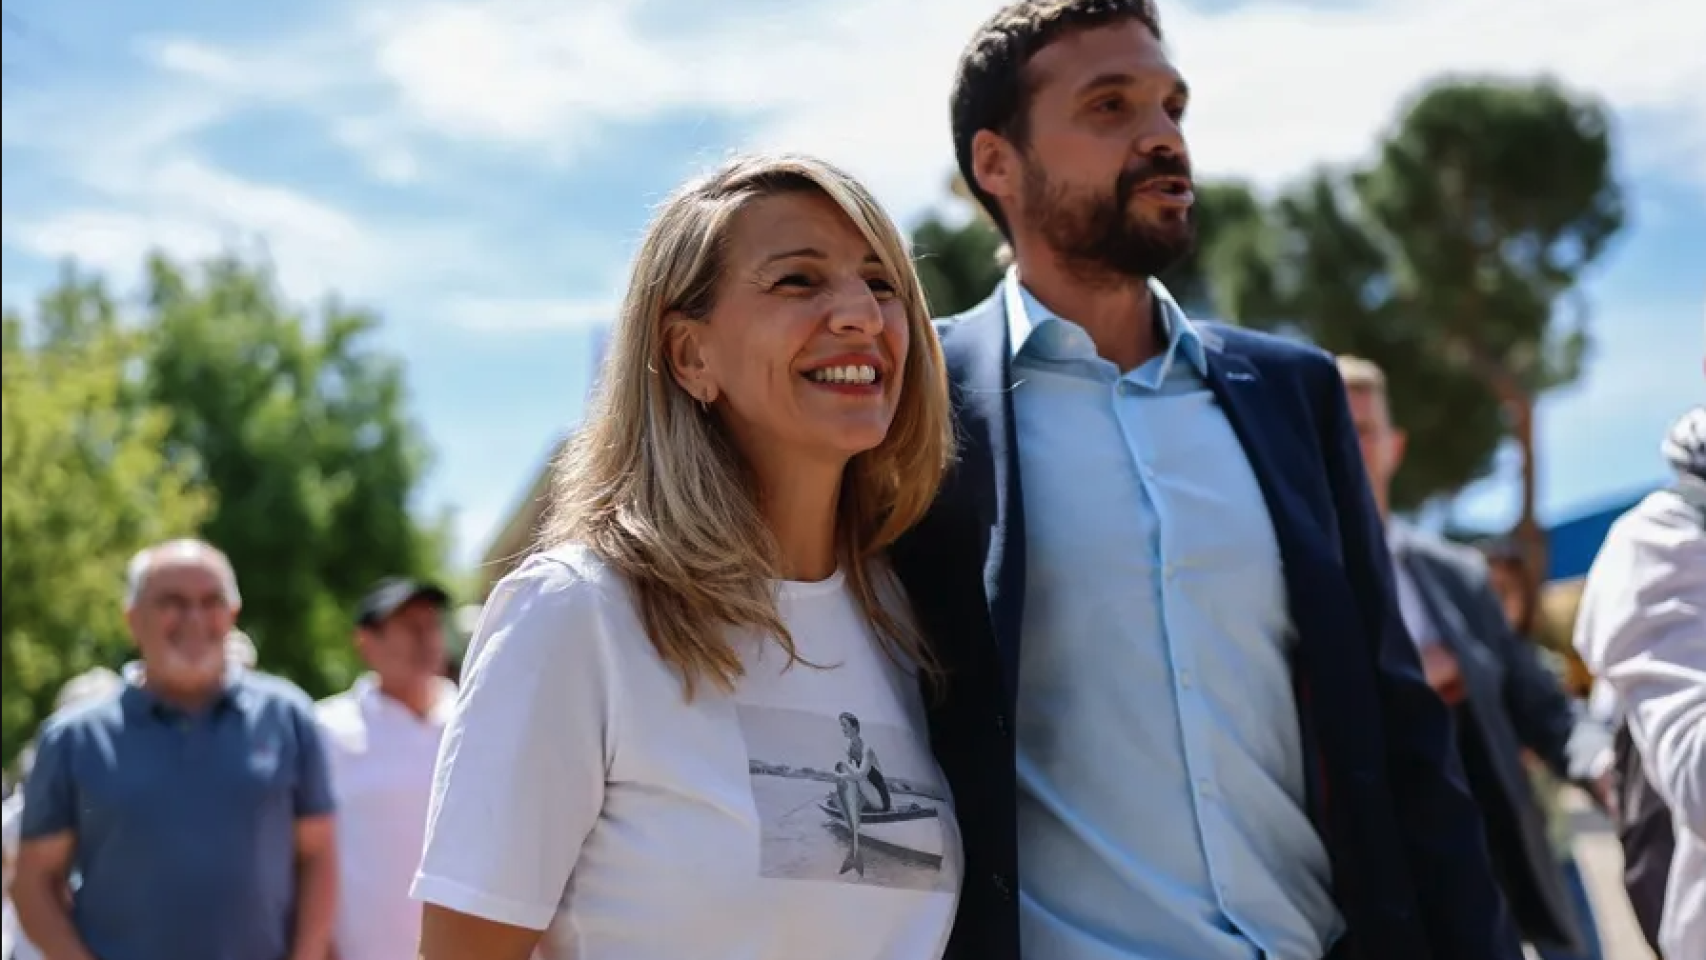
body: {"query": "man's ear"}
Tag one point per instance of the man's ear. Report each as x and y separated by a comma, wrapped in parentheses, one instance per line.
(995, 166)
(1396, 443)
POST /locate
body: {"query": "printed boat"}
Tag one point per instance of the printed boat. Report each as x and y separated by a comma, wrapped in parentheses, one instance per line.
(911, 833)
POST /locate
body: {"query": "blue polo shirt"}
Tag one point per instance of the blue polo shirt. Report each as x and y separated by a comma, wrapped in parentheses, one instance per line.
(185, 823)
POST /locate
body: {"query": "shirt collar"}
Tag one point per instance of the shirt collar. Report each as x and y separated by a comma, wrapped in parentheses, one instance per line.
(368, 693)
(1027, 318)
(134, 672)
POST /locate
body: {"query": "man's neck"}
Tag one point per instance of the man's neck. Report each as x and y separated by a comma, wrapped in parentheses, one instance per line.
(418, 696)
(1118, 312)
(189, 699)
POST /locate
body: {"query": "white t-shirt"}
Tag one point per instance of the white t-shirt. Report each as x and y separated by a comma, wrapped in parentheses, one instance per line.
(578, 789)
(381, 757)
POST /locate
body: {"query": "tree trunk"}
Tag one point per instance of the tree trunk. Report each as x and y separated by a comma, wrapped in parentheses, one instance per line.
(1529, 536)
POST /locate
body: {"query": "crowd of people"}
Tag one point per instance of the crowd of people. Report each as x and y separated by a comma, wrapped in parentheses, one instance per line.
(1114, 594)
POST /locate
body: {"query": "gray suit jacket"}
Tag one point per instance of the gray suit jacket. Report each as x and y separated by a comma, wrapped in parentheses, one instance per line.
(1513, 702)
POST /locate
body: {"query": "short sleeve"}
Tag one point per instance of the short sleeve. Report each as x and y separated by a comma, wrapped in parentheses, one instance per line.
(521, 770)
(50, 795)
(313, 795)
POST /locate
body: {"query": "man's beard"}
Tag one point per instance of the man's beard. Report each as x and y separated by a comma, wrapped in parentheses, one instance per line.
(1099, 234)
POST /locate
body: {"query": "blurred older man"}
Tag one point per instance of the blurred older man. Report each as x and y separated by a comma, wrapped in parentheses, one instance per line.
(382, 738)
(193, 804)
(1503, 698)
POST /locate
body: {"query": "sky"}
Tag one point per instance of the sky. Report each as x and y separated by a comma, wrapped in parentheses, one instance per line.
(479, 172)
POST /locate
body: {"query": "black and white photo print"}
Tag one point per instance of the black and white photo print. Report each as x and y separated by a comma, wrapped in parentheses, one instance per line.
(845, 800)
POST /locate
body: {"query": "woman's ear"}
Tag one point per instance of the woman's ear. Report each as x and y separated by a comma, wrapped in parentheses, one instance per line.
(684, 351)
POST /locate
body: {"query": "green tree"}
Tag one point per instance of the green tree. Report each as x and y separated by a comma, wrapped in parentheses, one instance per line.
(85, 486)
(298, 423)
(1231, 231)
(1455, 258)
(958, 265)
(1332, 285)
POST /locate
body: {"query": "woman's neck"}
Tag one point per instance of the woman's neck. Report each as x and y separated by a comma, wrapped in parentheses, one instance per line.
(800, 507)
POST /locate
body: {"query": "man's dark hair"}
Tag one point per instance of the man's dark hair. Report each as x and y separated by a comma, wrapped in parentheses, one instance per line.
(990, 88)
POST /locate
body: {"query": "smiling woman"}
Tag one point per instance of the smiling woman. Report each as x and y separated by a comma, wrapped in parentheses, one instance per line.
(651, 724)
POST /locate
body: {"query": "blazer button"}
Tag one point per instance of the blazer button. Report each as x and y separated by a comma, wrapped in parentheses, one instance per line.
(1002, 887)
(1001, 724)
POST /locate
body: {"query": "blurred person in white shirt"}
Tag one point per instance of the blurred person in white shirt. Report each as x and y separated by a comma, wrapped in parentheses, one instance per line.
(1641, 629)
(382, 740)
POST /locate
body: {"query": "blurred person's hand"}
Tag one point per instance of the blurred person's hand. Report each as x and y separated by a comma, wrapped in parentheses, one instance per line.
(1439, 665)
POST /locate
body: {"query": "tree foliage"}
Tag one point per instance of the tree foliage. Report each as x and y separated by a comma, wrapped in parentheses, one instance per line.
(1451, 260)
(958, 265)
(299, 424)
(217, 410)
(86, 485)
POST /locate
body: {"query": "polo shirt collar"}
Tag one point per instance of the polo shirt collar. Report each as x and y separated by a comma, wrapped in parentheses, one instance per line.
(140, 697)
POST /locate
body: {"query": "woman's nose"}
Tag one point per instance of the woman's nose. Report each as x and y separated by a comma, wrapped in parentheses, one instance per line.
(857, 311)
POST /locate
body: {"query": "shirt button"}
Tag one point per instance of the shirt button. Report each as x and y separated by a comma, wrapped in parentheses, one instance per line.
(1185, 679)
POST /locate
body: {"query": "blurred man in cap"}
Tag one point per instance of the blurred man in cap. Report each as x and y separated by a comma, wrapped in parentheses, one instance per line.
(382, 739)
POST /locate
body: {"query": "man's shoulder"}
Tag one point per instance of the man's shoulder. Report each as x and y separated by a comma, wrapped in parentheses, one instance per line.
(1265, 349)
(1456, 559)
(953, 326)
(275, 692)
(340, 711)
(100, 715)
(1660, 530)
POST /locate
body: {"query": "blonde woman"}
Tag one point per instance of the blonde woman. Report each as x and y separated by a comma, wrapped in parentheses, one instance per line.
(637, 766)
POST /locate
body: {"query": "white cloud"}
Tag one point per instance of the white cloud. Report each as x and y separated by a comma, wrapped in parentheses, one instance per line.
(1279, 87)
(110, 242)
(382, 150)
(194, 60)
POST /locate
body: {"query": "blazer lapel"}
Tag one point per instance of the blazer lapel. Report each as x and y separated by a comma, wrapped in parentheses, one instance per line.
(978, 347)
(1246, 401)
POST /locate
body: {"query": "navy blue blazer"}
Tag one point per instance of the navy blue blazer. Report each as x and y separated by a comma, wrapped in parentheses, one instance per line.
(1387, 792)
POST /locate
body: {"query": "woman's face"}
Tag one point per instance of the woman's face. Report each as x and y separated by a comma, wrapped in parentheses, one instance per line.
(847, 728)
(804, 348)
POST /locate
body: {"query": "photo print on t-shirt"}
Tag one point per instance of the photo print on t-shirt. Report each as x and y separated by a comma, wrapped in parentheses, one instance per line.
(844, 800)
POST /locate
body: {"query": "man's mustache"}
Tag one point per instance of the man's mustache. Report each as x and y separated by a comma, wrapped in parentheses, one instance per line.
(1161, 165)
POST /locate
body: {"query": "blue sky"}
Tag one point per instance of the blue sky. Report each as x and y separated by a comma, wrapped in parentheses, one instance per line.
(478, 172)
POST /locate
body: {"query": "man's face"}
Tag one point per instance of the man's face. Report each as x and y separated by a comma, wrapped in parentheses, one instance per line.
(408, 647)
(179, 622)
(1382, 443)
(1103, 176)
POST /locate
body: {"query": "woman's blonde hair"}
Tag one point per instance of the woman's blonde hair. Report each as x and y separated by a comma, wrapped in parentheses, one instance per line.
(656, 489)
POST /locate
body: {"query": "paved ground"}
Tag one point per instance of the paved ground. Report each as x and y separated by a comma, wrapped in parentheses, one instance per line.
(1601, 862)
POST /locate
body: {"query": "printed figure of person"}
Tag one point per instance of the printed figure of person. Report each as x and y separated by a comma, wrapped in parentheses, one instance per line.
(859, 787)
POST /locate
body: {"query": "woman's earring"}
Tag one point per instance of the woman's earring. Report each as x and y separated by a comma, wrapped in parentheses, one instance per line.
(705, 401)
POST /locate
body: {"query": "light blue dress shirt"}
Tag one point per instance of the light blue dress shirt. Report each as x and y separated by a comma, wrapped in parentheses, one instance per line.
(1161, 783)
